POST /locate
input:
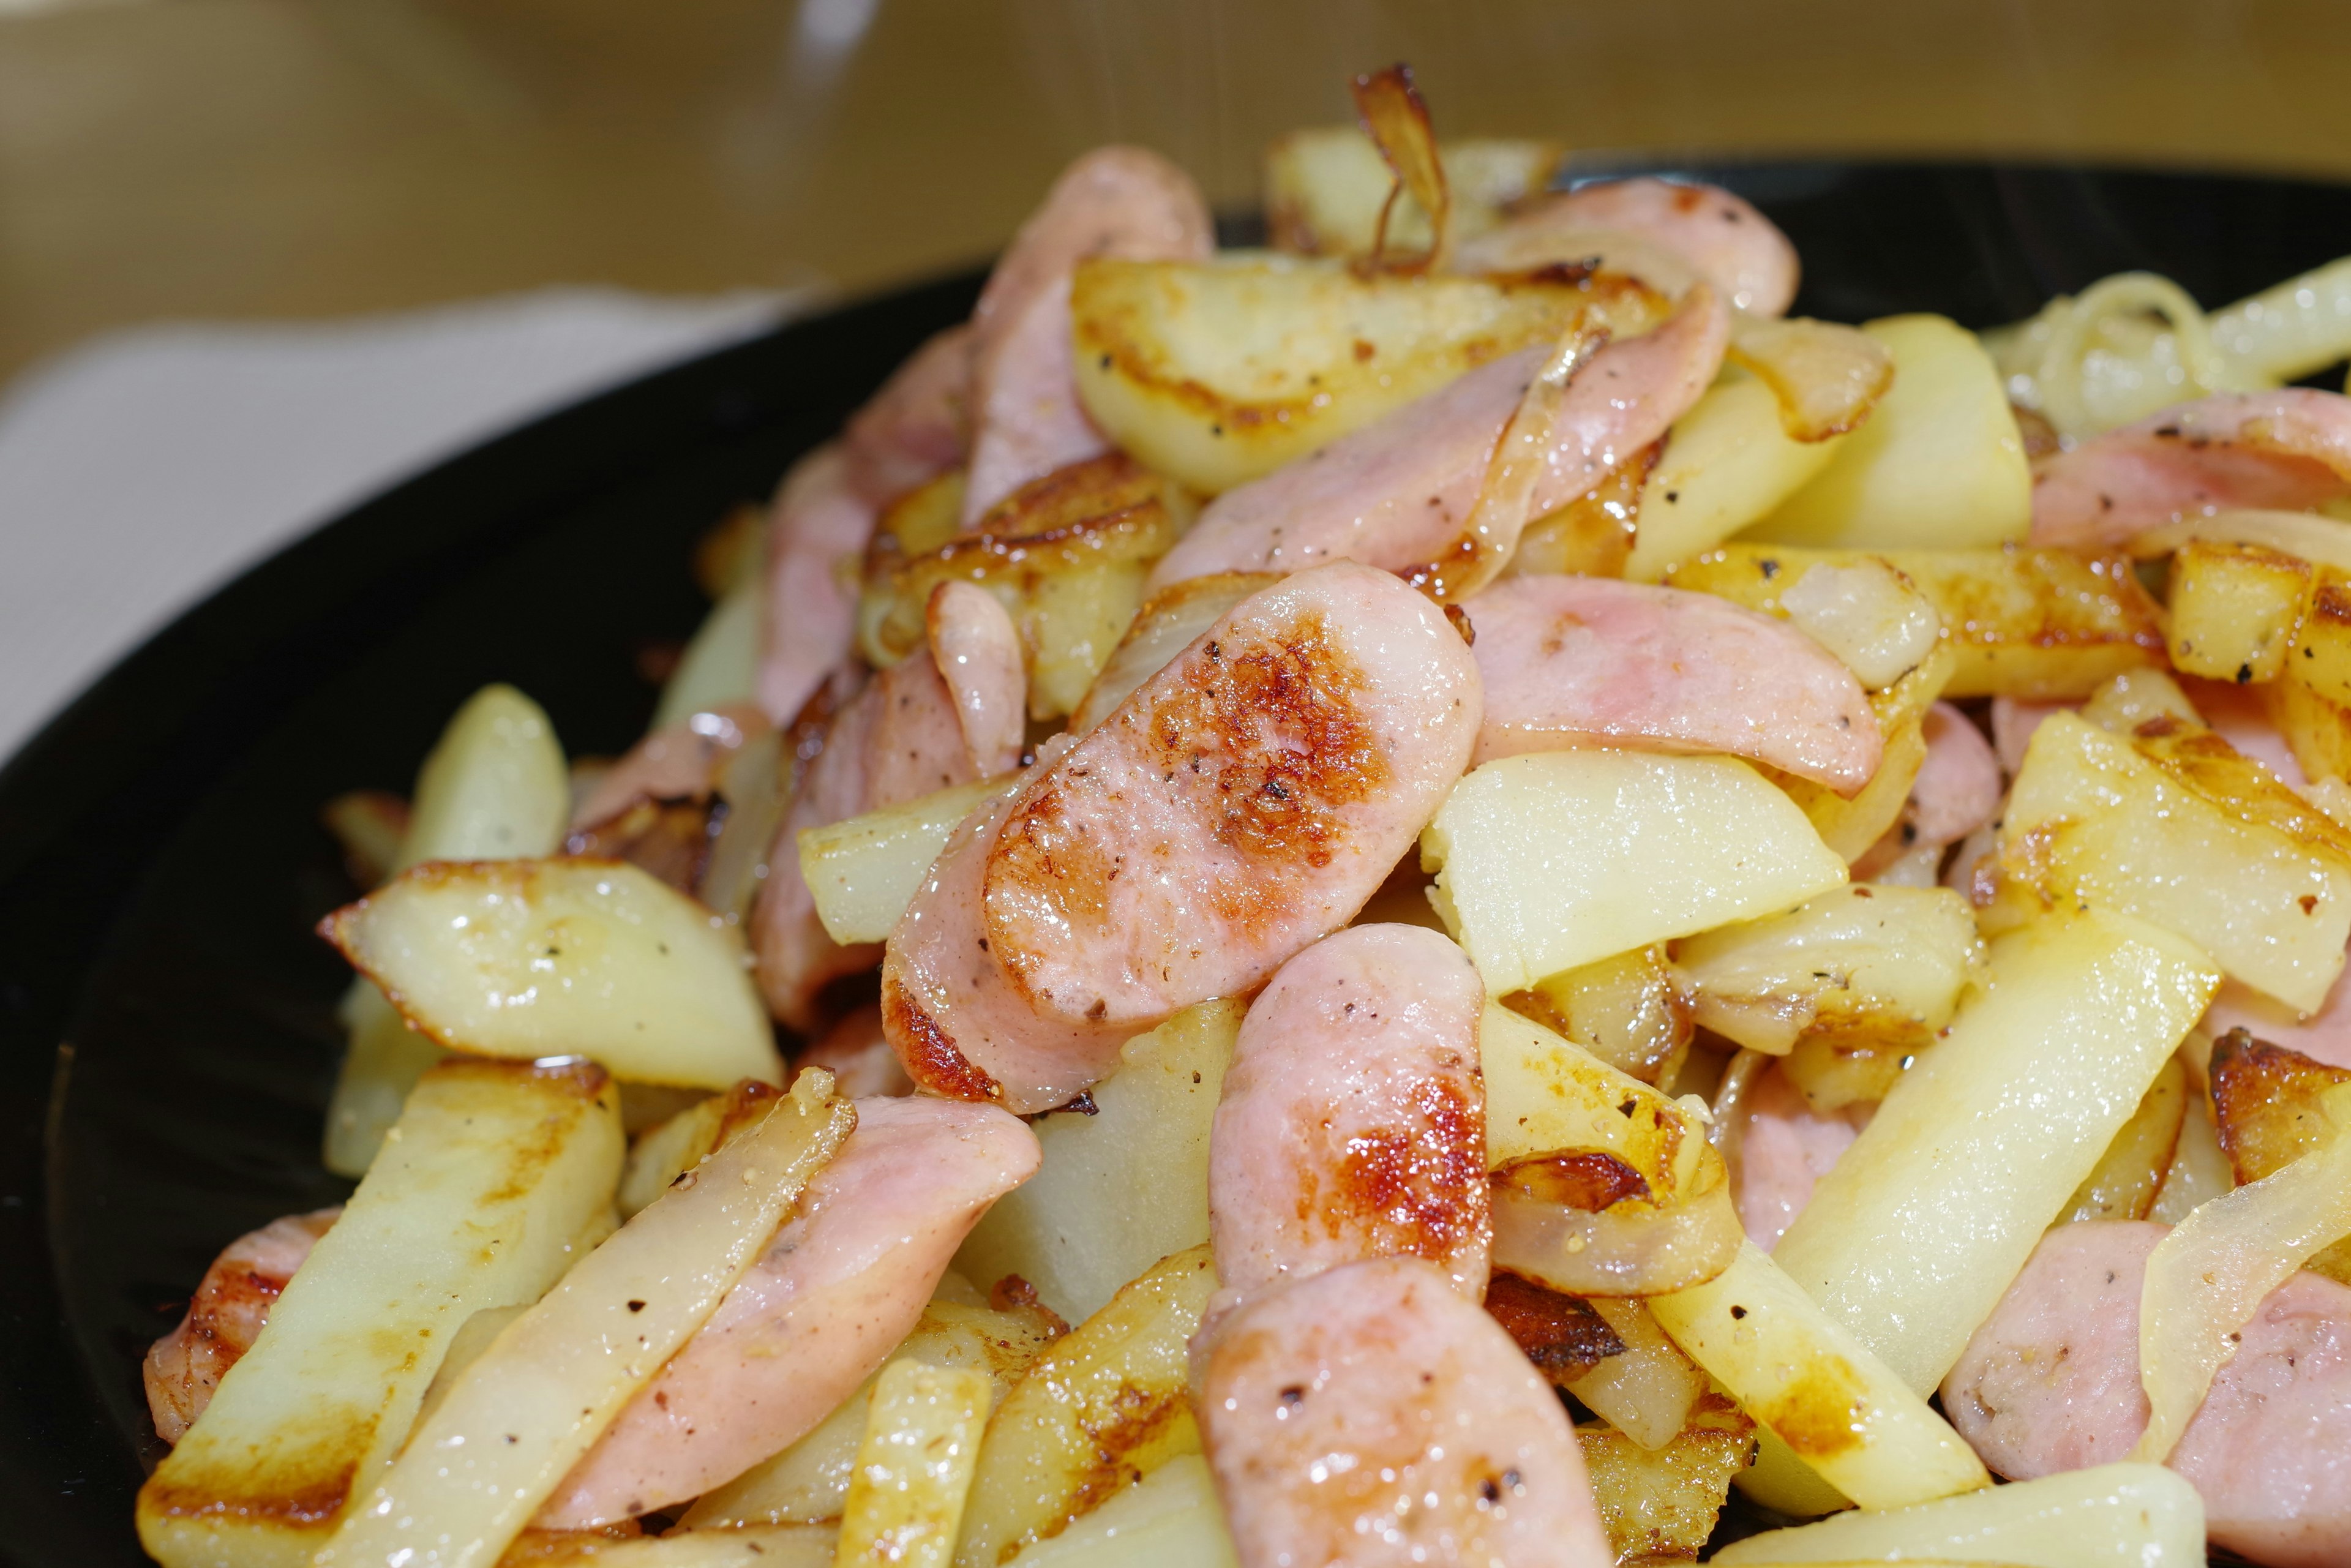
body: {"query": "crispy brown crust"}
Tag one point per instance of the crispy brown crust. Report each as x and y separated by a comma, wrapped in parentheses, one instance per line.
(1560, 1334)
(928, 1051)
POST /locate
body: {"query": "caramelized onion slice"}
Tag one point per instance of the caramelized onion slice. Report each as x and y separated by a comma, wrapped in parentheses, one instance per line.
(1826, 376)
(1396, 119)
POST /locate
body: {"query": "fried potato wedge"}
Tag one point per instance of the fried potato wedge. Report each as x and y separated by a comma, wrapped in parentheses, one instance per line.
(1102, 1409)
(1793, 1367)
(2236, 609)
(1850, 826)
(862, 872)
(2266, 1102)
(2124, 1181)
(559, 957)
(1220, 373)
(491, 1172)
(383, 1058)
(493, 786)
(1880, 967)
(2039, 624)
(1659, 1505)
(1728, 462)
(1631, 1011)
(1123, 1184)
(1939, 463)
(1066, 555)
(913, 1468)
(522, 1415)
(1326, 187)
(808, 1482)
(2110, 1516)
(1913, 1235)
(1553, 859)
(670, 1148)
(2174, 825)
(1649, 1392)
(1169, 1519)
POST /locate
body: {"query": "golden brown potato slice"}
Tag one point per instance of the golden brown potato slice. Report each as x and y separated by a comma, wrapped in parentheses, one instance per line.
(1218, 373)
(2265, 1100)
(561, 958)
(491, 1172)
(1066, 555)
(1659, 1506)
(1106, 1404)
(1324, 188)
(668, 1151)
(1631, 1011)
(2236, 609)
(2041, 624)
(906, 1495)
(2130, 1173)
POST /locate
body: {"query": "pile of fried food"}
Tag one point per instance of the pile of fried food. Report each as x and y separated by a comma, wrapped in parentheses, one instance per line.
(1434, 894)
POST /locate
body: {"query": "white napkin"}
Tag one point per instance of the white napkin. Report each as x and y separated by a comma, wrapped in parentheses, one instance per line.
(140, 472)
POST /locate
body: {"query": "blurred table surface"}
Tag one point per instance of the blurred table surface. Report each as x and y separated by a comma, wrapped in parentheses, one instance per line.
(230, 160)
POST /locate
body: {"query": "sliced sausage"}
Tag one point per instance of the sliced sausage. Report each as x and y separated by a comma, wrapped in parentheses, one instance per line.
(1353, 1120)
(1784, 1148)
(978, 651)
(2051, 1382)
(914, 428)
(681, 763)
(1242, 803)
(1120, 202)
(811, 618)
(2287, 450)
(858, 1055)
(1398, 494)
(901, 737)
(1589, 661)
(1958, 789)
(1372, 1416)
(1720, 235)
(224, 1317)
(842, 1284)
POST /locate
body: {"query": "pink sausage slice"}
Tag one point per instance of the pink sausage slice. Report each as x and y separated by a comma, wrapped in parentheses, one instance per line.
(681, 763)
(1352, 1121)
(1373, 1417)
(1720, 236)
(2049, 1382)
(1398, 494)
(224, 1317)
(912, 430)
(1786, 1148)
(1958, 789)
(1242, 803)
(978, 651)
(843, 1281)
(1589, 661)
(1121, 201)
(901, 737)
(2287, 450)
(810, 618)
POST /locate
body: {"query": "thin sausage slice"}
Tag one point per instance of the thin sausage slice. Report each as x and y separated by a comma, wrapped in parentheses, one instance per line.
(1352, 1121)
(224, 1317)
(1589, 661)
(978, 651)
(843, 1281)
(1720, 235)
(2287, 450)
(1786, 1148)
(681, 763)
(901, 737)
(2051, 1382)
(810, 618)
(1372, 1416)
(914, 428)
(1244, 802)
(1120, 202)
(1398, 494)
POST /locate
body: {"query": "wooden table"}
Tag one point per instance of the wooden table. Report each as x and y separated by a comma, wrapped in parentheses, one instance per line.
(239, 158)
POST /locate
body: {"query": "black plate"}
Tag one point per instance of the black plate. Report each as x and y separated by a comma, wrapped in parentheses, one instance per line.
(166, 1029)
